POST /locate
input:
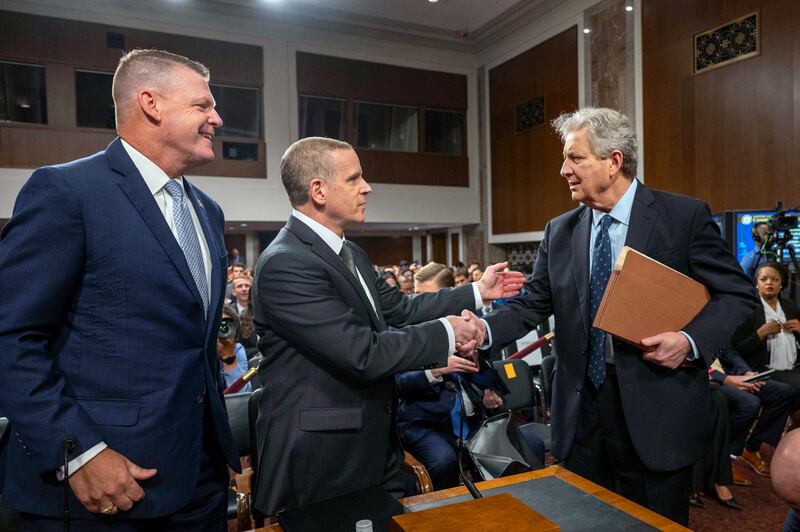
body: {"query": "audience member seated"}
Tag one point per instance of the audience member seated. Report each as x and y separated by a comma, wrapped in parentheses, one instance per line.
(234, 270)
(231, 353)
(476, 274)
(768, 402)
(461, 276)
(768, 339)
(407, 284)
(389, 277)
(786, 477)
(243, 306)
(429, 410)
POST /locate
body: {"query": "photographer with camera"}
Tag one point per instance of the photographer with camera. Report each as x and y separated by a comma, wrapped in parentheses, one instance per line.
(755, 257)
(231, 353)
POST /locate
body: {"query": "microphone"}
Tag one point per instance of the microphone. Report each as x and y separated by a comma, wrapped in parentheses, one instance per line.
(456, 388)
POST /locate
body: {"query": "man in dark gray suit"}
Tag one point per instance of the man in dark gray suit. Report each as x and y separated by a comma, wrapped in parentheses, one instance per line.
(623, 417)
(326, 423)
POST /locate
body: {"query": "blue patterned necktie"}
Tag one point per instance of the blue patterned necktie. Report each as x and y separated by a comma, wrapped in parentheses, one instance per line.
(187, 238)
(601, 271)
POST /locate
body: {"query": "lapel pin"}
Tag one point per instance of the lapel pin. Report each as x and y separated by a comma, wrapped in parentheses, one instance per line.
(200, 203)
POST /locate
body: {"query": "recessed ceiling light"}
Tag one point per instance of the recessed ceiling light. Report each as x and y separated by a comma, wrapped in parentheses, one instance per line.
(587, 30)
(243, 225)
(629, 8)
(433, 1)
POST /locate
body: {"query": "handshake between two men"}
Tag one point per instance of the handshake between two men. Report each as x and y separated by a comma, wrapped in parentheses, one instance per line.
(470, 331)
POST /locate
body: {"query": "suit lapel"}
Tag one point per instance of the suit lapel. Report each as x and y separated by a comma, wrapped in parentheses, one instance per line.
(318, 246)
(213, 250)
(642, 221)
(134, 187)
(580, 262)
(365, 267)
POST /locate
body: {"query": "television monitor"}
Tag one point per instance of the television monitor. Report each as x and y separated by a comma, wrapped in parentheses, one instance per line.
(743, 237)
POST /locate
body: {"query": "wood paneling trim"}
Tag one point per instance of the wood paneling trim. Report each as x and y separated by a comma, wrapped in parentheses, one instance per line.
(39, 39)
(526, 188)
(455, 255)
(34, 145)
(385, 250)
(322, 75)
(439, 248)
(411, 168)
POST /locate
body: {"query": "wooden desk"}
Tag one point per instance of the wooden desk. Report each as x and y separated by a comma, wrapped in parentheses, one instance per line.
(613, 499)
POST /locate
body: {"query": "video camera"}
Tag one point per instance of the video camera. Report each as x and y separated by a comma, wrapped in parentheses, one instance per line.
(779, 228)
(227, 329)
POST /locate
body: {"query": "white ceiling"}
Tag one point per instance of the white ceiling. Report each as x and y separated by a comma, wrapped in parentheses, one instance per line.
(448, 15)
(460, 23)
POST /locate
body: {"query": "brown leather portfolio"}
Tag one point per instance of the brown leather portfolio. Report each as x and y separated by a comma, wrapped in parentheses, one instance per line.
(644, 298)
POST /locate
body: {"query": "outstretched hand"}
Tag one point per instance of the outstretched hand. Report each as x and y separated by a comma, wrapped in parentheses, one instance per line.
(497, 283)
(470, 333)
(456, 364)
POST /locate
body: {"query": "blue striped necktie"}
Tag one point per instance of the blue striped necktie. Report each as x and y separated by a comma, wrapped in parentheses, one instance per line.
(601, 271)
(187, 238)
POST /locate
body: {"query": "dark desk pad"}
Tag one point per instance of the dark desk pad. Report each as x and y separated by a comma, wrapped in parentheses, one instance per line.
(562, 503)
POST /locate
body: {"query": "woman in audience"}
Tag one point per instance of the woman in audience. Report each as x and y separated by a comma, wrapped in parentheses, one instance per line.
(768, 339)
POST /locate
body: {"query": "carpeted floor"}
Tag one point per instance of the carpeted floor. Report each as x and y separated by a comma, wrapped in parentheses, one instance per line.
(762, 510)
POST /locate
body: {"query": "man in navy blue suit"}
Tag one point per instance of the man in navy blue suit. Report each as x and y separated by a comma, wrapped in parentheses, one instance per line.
(108, 365)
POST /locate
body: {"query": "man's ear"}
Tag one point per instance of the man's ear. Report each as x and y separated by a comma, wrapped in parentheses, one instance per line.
(616, 158)
(318, 191)
(150, 105)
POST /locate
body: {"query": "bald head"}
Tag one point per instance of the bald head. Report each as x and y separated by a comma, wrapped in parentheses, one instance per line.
(146, 69)
(785, 469)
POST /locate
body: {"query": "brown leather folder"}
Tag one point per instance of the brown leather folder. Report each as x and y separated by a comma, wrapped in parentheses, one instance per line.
(644, 298)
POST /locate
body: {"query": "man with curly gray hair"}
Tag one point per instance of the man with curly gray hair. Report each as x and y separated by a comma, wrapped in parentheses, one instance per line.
(628, 419)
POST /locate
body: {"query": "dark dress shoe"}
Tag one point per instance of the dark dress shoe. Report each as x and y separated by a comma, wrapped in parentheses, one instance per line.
(728, 503)
(696, 501)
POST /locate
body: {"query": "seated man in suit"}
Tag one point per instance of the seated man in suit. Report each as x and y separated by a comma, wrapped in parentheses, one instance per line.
(428, 412)
(326, 416)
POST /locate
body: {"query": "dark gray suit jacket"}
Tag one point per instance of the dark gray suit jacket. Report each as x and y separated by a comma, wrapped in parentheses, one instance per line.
(660, 405)
(326, 424)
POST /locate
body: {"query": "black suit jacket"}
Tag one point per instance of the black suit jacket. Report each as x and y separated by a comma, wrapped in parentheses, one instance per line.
(745, 339)
(325, 424)
(659, 404)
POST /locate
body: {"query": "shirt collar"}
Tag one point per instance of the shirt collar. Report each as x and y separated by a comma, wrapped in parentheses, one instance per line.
(334, 241)
(622, 210)
(154, 177)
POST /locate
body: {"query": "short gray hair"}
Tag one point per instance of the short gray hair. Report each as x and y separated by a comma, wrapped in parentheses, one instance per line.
(307, 159)
(142, 68)
(607, 130)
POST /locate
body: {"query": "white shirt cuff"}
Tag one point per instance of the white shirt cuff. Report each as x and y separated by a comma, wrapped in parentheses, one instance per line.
(477, 294)
(431, 378)
(694, 355)
(81, 460)
(451, 336)
(487, 343)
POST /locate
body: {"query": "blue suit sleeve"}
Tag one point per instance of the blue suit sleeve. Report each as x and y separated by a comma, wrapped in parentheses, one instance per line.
(41, 269)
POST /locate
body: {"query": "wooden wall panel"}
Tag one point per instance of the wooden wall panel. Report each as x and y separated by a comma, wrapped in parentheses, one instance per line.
(527, 190)
(439, 248)
(385, 250)
(83, 44)
(411, 168)
(731, 135)
(322, 75)
(455, 256)
(32, 146)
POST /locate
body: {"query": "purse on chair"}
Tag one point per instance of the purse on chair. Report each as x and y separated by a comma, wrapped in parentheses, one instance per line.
(498, 449)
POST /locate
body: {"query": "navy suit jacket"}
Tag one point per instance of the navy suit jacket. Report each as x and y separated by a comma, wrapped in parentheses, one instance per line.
(103, 335)
(326, 421)
(660, 405)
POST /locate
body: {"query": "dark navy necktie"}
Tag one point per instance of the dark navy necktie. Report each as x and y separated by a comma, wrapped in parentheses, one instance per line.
(347, 257)
(601, 271)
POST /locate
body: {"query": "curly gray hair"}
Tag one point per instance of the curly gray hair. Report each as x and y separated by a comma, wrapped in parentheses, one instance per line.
(607, 130)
